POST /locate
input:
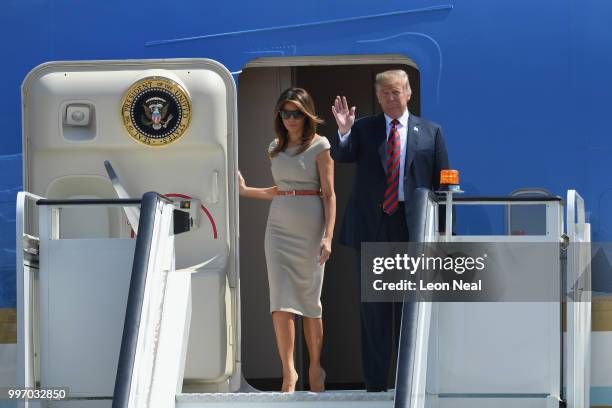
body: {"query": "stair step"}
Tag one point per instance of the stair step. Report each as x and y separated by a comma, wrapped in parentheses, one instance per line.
(500, 402)
(328, 399)
(349, 399)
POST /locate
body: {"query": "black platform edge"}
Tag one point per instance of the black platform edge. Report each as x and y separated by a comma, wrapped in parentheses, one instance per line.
(461, 198)
(90, 201)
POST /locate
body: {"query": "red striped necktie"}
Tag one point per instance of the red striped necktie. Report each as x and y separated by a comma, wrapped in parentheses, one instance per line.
(393, 169)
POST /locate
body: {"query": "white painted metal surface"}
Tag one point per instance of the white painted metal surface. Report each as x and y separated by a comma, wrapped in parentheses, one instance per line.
(421, 370)
(485, 348)
(83, 295)
(498, 403)
(25, 284)
(202, 165)
(578, 304)
(480, 349)
(159, 364)
(8, 364)
(601, 375)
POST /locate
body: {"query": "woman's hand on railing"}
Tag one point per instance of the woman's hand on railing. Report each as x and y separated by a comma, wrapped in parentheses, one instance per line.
(241, 184)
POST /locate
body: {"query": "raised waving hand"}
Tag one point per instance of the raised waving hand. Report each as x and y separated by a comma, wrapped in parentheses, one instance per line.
(345, 117)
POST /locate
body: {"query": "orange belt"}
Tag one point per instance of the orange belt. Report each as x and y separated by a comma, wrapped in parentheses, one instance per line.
(299, 192)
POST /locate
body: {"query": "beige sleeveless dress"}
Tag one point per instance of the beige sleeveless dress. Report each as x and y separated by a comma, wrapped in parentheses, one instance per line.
(294, 231)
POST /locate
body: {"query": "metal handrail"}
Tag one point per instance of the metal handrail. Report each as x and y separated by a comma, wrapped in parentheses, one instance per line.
(25, 335)
(407, 372)
(129, 341)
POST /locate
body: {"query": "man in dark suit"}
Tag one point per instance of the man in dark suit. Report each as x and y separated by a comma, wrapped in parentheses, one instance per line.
(395, 153)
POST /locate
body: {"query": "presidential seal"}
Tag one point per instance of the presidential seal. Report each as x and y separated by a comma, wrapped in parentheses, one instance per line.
(156, 111)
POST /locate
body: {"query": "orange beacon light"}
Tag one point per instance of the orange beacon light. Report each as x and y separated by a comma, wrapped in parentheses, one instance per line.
(449, 184)
(449, 180)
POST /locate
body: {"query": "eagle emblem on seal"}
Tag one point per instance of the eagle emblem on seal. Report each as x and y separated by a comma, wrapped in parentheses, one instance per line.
(156, 111)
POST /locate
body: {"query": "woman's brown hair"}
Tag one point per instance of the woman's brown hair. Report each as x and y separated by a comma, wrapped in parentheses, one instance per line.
(300, 98)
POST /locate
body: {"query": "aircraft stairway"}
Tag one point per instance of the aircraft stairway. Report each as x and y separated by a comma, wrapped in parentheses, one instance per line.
(75, 331)
(507, 354)
(503, 353)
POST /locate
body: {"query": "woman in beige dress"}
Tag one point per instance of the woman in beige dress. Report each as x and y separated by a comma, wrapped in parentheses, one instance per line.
(299, 229)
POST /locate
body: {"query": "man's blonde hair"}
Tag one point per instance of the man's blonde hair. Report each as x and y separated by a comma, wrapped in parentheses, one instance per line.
(386, 76)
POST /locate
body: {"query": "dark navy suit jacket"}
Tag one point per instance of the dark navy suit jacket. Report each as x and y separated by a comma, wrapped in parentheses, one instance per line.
(425, 156)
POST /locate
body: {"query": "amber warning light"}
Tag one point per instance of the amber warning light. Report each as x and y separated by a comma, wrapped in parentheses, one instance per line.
(449, 179)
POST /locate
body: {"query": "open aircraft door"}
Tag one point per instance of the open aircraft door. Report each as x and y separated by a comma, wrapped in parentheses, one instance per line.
(162, 125)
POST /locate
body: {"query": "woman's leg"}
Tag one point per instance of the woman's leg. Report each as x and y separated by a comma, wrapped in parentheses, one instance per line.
(313, 331)
(284, 328)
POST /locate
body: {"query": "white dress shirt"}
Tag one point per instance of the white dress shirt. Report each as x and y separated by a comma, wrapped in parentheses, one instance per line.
(402, 127)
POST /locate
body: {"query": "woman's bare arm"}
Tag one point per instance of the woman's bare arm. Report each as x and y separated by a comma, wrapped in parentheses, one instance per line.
(266, 193)
(325, 165)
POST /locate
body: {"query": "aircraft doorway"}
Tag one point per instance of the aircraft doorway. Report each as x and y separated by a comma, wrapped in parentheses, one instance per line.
(258, 89)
